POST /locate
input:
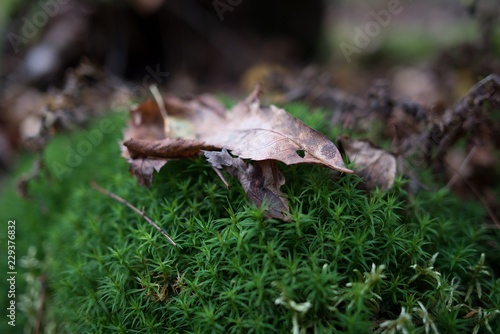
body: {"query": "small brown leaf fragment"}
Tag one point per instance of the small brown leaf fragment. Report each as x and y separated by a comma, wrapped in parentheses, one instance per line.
(377, 167)
(261, 181)
(470, 314)
(143, 169)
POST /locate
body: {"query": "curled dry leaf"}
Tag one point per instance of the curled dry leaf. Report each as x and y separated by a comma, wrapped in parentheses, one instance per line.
(249, 131)
(377, 167)
(263, 133)
(261, 181)
(171, 148)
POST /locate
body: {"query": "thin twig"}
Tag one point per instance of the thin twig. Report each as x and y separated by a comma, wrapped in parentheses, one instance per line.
(219, 174)
(141, 213)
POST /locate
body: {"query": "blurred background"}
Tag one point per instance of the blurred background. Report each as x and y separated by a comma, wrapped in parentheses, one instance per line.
(427, 51)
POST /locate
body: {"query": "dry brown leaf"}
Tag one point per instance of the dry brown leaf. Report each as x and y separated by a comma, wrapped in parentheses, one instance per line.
(248, 130)
(263, 133)
(377, 167)
(261, 181)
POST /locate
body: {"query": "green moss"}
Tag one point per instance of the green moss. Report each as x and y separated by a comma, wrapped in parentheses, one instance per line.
(355, 259)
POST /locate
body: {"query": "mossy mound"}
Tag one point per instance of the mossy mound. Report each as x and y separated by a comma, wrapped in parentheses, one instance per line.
(348, 262)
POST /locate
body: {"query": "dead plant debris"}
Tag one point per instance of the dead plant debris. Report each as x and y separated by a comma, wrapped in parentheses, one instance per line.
(249, 131)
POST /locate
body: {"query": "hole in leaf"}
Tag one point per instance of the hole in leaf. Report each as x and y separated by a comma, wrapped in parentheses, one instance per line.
(300, 153)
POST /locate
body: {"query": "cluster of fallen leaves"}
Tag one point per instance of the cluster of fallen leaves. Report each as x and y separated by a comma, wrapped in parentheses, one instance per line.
(458, 142)
(245, 141)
